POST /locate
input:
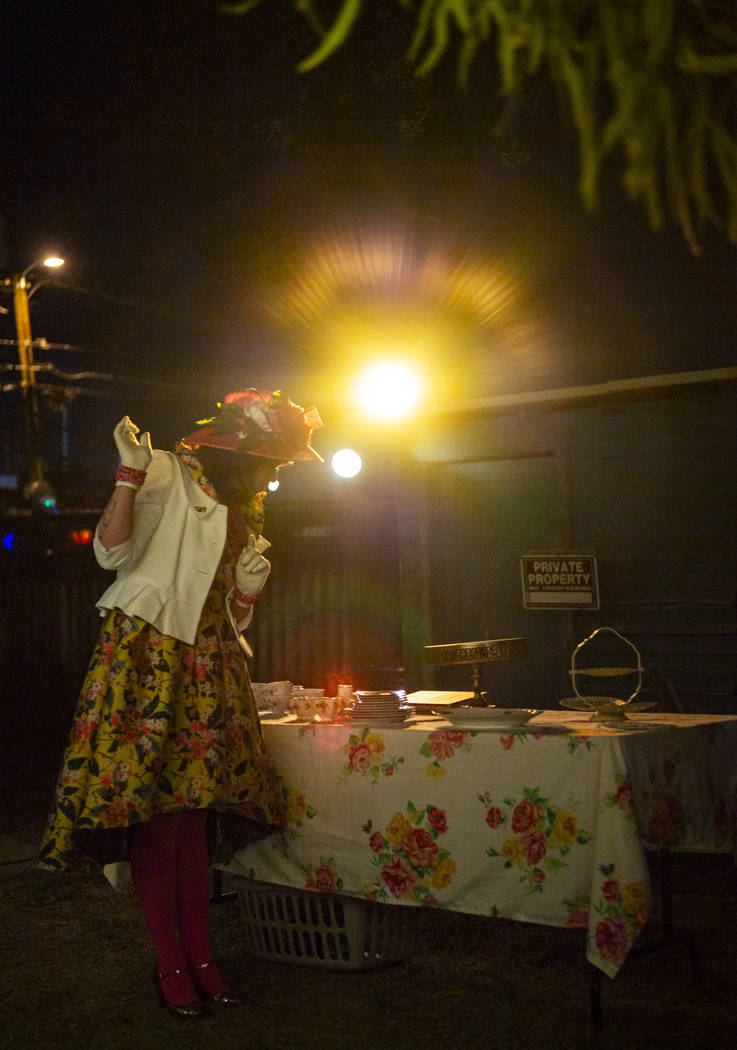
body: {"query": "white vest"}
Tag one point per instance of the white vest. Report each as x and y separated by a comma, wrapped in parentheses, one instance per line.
(165, 570)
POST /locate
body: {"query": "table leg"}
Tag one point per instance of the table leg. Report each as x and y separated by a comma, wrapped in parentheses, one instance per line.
(217, 896)
(595, 1012)
(668, 934)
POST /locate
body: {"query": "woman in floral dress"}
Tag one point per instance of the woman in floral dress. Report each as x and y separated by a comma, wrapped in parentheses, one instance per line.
(165, 763)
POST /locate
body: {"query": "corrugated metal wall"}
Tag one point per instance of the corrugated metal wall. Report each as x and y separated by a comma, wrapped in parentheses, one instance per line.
(648, 482)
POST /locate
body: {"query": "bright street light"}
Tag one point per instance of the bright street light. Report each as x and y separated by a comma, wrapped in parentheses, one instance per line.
(388, 391)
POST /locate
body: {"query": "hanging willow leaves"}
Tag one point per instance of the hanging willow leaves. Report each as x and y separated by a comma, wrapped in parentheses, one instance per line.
(651, 85)
(335, 37)
(238, 8)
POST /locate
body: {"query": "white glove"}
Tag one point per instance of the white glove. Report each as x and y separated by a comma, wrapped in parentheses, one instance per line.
(251, 569)
(133, 453)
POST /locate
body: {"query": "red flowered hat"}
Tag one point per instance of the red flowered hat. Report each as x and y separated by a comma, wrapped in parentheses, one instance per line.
(260, 423)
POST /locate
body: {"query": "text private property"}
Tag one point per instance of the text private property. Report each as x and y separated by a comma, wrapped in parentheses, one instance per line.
(558, 573)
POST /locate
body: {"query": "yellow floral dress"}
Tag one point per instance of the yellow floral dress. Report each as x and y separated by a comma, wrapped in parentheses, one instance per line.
(162, 726)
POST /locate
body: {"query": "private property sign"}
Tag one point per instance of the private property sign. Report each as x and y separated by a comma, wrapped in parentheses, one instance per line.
(560, 580)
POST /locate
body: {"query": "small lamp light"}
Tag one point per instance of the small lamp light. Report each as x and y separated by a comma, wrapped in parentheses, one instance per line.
(41, 496)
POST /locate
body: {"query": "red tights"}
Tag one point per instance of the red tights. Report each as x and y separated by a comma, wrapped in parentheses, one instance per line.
(171, 875)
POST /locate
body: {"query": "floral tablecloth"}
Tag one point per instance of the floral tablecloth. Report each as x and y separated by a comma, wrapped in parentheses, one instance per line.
(548, 825)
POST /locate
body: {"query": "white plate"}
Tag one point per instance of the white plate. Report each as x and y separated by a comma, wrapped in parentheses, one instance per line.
(493, 717)
(401, 713)
(373, 712)
(390, 704)
(627, 726)
(530, 727)
(382, 712)
(367, 720)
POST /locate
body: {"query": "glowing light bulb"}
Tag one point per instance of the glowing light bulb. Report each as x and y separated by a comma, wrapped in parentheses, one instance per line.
(388, 391)
(346, 463)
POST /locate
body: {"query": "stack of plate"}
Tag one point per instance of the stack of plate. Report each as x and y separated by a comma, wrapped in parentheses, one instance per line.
(388, 708)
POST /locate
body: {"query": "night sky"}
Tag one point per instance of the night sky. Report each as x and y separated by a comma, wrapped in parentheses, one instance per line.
(196, 183)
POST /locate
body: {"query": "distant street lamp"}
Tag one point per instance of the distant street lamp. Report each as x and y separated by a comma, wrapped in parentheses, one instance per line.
(37, 490)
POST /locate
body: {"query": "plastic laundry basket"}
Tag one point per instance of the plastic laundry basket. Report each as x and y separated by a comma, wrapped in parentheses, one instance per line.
(322, 929)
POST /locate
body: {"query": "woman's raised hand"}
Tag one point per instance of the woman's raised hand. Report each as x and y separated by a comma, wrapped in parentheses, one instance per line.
(251, 569)
(133, 452)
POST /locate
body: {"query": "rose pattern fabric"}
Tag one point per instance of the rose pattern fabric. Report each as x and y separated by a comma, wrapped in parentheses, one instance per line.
(549, 829)
(185, 737)
(666, 816)
(622, 797)
(294, 806)
(576, 741)
(442, 745)
(622, 911)
(578, 912)
(367, 755)
(412, 863)
(322, 876)
(539, 832)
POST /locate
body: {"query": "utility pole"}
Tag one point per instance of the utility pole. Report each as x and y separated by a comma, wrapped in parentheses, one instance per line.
(37, 490)
(27, 382)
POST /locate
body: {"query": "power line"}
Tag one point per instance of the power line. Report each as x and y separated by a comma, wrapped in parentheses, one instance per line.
(147, 306)
(48, 366)
(51, 388)
(44, 344)
(143, 393)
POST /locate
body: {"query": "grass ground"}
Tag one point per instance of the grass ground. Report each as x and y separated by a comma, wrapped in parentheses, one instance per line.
(76, 959)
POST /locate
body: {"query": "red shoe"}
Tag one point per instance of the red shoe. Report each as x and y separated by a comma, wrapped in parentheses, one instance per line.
(224, 998)
(194, 1011)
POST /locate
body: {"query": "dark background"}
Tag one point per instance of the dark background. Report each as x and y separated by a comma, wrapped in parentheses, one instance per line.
(188, 174)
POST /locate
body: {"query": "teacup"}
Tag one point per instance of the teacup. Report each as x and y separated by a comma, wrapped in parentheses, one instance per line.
(304, 707)
(345, 691)
(277, 696)
(259, 694)
(330, 708)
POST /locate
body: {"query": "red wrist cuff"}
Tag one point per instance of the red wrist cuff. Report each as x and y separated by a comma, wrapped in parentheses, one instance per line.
(244, 599)
(130, 475)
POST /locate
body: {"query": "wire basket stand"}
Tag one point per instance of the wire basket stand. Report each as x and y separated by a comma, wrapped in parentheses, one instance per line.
(610, 707)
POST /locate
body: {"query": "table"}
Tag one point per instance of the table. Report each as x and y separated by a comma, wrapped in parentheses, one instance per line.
(549, 825)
